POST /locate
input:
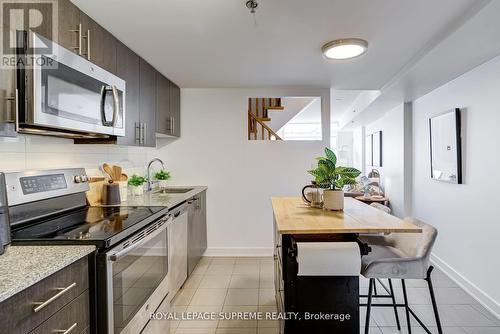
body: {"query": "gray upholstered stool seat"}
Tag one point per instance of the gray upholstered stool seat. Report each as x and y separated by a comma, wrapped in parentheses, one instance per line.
(381, 207)
(400, 256)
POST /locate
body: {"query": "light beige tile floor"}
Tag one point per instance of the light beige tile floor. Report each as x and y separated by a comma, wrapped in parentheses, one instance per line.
(246, 285)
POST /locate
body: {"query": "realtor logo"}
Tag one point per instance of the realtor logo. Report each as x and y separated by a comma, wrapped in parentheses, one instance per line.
(38, 16)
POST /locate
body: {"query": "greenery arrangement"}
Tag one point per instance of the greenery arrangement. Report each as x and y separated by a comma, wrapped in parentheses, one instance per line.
(330, 176)
(162, 175)
(136, 180)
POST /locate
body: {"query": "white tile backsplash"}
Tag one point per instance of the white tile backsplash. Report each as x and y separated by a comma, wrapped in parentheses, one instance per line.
(40, 152)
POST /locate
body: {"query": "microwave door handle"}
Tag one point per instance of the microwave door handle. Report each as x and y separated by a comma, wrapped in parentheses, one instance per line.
(118, 255)
(104, 91)
(116, 105)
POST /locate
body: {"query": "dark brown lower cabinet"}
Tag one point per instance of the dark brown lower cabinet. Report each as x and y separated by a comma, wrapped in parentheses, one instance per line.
(311, 297)
(52, 305)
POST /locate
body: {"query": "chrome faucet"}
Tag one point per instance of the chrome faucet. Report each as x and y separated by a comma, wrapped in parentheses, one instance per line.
(150, 183)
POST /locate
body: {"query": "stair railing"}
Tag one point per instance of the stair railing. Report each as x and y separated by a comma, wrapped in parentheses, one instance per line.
(253, 127)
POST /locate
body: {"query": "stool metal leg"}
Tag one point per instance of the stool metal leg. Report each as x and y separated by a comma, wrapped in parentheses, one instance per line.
(369, 305)
(375, 288)
(407, 309)
(433, 299)
(394, 302)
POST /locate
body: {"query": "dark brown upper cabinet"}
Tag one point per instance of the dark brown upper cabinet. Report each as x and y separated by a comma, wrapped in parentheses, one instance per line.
(127, 68)
(163, 120)
(147, 104)
(175, 109)
(167, 107)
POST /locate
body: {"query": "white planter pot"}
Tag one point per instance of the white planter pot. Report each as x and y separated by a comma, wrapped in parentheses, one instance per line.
(333, 200)
(137, 190)
(162, 184)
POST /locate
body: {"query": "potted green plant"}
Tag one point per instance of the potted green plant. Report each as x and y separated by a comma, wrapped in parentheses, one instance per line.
(162, 176)
(136, 184)
(333, 178)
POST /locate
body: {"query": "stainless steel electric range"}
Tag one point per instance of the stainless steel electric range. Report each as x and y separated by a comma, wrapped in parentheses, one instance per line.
(129, 278)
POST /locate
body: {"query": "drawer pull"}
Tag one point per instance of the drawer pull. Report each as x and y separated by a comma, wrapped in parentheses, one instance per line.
(67, 331)
(62, 291)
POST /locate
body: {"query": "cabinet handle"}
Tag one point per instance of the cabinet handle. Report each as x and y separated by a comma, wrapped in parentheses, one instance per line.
(87, 54)
(88, 44)
(78, 48)
(137, 133)
(62, 291)
(66, 331)
(140, 133)
(15, 100)
(172, 125)
(144, 129)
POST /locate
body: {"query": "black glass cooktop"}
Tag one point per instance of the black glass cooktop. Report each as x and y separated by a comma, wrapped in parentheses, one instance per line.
(101, 226)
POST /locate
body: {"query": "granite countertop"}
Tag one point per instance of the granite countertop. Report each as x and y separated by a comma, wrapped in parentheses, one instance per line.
(155, 198)
(23, 266)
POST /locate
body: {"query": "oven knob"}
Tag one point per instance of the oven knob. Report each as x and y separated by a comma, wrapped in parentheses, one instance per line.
(78, 179)
(85, 178)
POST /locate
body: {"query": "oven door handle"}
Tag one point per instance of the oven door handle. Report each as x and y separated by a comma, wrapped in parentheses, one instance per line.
(120, 254)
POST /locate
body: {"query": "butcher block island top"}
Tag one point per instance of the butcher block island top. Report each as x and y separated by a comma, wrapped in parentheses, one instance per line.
(293, 216)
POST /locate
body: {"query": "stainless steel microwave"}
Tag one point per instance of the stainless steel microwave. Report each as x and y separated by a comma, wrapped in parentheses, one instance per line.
(62, 94)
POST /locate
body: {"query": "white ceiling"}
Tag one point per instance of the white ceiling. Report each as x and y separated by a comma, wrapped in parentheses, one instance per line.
(216, 44)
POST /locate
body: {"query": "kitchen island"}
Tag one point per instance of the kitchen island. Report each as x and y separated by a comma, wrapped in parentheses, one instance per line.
(323, 303)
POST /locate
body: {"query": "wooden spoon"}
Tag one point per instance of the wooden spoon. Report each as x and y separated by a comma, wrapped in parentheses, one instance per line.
(108, 170)
(124, 177)
(117, 173)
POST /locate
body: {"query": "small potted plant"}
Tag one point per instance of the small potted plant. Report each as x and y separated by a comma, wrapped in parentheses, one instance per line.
(136, 184)
(333, 178)
(162, 176)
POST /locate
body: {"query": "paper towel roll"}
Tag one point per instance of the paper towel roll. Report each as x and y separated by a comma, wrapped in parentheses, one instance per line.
(328, 259)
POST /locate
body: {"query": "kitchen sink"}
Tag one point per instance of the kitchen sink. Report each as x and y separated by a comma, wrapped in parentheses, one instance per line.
(173, 190)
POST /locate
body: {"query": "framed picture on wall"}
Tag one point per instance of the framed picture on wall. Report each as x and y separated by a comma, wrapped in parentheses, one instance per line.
(369, 154)
(377, 148)
(446, 147)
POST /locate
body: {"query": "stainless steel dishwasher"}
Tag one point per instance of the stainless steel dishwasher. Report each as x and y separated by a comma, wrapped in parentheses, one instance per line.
(178, 235)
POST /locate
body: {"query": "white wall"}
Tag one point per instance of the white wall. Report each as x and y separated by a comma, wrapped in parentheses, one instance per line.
(467, 215)
(392, 170)
(241, 175)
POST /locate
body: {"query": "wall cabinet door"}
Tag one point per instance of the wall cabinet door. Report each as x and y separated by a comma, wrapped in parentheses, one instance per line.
(175, 110)
(103, 47)
(127, 68)
(69, 20)
(147, 103)
(163, 120)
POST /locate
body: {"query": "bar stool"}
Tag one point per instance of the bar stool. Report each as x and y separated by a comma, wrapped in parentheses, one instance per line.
(400, 256)
(381, 207)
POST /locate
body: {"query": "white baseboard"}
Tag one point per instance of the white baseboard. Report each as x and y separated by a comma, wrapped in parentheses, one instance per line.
(479, 295)
(239, 251)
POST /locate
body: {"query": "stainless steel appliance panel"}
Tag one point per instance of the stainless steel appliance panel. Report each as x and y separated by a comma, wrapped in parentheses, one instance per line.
(4, 216)
(62, 90)
(137, 278)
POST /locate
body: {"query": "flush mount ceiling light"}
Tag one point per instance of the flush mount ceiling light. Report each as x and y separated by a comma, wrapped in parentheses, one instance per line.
(345, 48)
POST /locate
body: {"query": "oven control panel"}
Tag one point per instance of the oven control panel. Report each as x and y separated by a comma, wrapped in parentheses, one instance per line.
(29, 186)
(37, 184)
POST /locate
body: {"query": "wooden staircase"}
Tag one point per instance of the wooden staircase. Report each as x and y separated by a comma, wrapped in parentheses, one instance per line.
(257, 116)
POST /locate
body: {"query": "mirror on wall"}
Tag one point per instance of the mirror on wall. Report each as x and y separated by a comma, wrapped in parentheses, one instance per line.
(446, 147)
(284, 118)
